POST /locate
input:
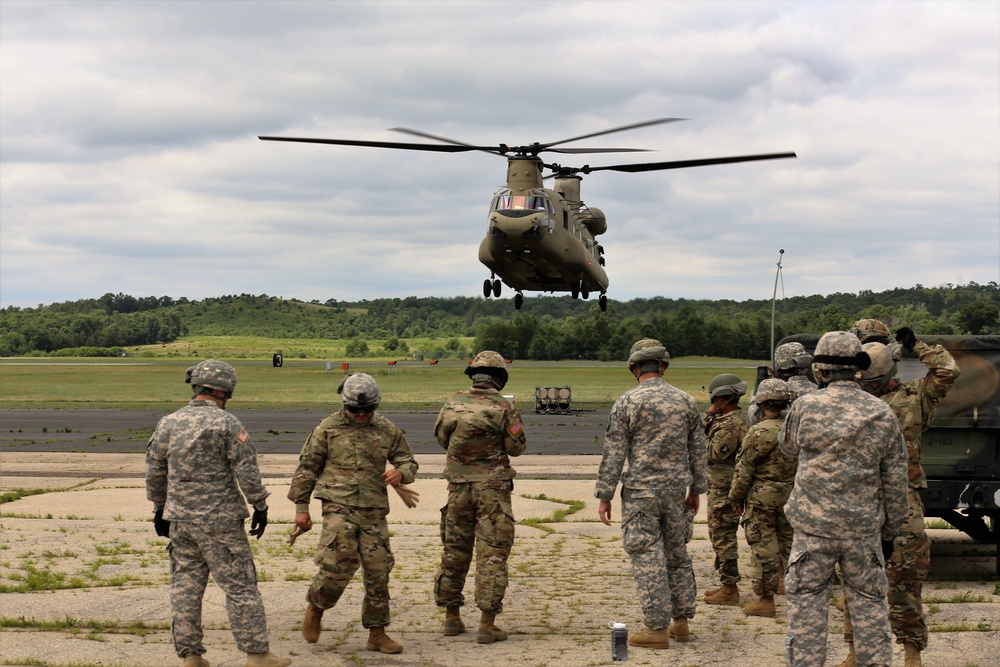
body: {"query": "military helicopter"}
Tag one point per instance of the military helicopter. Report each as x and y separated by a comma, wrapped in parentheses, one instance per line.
(543, 239)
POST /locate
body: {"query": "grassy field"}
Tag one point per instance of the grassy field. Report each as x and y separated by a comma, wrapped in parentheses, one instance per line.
(159, 383)
(253, 347)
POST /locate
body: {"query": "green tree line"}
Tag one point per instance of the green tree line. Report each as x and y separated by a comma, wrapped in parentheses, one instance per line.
(546, 328)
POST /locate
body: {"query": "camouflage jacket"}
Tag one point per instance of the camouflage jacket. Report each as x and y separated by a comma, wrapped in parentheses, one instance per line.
(655, 442)
(851, 453)
(724, 434)
(914, 403)
(343, 461)
(800, 384)
(480, 430)
(199, 465)
(764, 475)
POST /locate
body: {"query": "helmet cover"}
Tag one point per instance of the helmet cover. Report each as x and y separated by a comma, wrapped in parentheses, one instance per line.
(773, 389)
(648, 349)
(788, 356)
(868, 328)
(840, 350)
(213, 374)
(359, 390)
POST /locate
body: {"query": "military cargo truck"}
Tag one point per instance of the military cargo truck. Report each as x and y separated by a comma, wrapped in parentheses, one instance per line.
(961, 450)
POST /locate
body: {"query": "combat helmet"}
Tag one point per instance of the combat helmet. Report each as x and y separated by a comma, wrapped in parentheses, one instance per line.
(773, 389)
(871, 331)
(839, 351)
(359, 391)
(726, 384)
(488, 366)
(791, 358)
(213, 374)
(648, 350)
(882, 369)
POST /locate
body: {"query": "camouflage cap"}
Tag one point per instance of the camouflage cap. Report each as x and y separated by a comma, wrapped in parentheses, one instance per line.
(648, 349)
(726, 384)
(773, 389)
(791, 355)
(839, 350)
(360, 390)
(212, 373)
(869, 328)
(882, 366)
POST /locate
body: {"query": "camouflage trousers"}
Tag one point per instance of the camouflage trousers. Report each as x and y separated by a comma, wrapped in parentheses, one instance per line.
(811, 567)
(654, 534)
(907, 569)
(478, 514)
(352, 538)
(770, 538)
(723, 525)
(224, 552)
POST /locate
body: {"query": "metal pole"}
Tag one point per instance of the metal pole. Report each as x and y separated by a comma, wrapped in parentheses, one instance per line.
(774, 296)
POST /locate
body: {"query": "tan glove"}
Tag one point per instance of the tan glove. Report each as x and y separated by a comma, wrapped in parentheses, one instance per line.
(294, 535)
(409, 496)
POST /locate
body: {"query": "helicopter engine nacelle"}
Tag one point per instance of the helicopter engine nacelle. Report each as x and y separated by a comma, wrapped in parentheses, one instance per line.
(594, 220)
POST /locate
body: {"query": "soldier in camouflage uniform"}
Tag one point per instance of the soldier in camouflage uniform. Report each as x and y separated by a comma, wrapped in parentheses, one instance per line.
(201, 471)
(791, 364)
(655, 444)
(761, 485)
(914, 404)
(343, 463)
(850, 490)
(725, 426)
(480, 430)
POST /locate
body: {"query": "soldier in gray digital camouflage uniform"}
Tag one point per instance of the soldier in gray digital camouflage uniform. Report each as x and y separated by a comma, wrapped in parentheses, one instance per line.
(762, 482)
(480, 430)
(850, 491)
(655, 445)
(791, 364)
(200, 464)
(343, 463)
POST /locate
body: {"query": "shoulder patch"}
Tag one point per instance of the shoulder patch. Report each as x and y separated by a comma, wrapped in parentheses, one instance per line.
(243, 436)
(516, 428)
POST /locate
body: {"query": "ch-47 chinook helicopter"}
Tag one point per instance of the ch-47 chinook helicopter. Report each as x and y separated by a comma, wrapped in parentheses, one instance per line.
(541, 239)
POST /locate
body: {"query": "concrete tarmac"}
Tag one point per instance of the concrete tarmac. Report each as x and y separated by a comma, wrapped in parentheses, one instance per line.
(84, 580)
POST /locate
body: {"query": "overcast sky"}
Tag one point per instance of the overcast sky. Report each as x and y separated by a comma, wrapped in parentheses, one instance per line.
(129, 158)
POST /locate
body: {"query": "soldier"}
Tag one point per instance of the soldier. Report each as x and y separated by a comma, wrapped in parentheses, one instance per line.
(201, 471)
(657, 430)
(791, 364)
(344, 462)
(725, 426)
(480, 430)
(850, 490)
(761, 485)
(914, 404)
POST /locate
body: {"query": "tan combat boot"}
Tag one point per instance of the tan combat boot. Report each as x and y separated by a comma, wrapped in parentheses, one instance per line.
(453, 622)
(379, 641)
(762, 606)
(311, 623)
(266, 660)
(488, 631)
(651, 638)
(726, 594)
(851, 659)
(195, 661)
(679, 629)
(911, 655)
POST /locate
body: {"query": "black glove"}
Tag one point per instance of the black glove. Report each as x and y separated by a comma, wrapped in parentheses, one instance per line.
(258, 523)
(161, 525)
(887, 547)
(906, 336)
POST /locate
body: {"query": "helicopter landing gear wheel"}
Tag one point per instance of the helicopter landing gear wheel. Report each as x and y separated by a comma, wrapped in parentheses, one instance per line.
(487, 288)
(575, 290)
(496, 288)
(602, 301)
(518, 301)
(584, 289)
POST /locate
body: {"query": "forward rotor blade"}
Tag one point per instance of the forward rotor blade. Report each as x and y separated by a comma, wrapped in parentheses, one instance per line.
(681, 164)
(417, 133)
(381, 144)
(582, 151)
(623, 128)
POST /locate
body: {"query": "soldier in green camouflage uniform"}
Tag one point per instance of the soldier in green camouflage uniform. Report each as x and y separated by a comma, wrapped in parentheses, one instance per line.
(655, 444)
(480, 430)
(343, 463)
(914, 404)
(761, 485)
(791, 364)
(200, 464)
(849, 492)
(725, 426)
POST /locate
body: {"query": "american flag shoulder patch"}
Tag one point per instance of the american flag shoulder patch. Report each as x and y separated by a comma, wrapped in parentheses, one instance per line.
(516, 428)
(243, 436)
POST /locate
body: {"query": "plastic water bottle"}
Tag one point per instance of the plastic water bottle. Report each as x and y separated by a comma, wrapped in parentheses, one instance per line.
(619, 642)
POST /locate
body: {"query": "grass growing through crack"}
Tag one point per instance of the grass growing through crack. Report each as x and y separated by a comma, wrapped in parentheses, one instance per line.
(77, 625)
(572, 507)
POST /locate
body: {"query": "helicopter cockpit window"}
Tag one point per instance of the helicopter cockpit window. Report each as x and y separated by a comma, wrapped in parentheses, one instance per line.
(533, 202)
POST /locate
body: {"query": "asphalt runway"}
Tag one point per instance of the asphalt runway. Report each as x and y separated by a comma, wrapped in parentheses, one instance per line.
(273, 431)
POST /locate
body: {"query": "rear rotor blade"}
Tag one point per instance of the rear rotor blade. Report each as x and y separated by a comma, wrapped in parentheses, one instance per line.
(681, 164)
(633, 126)
(381, 144)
